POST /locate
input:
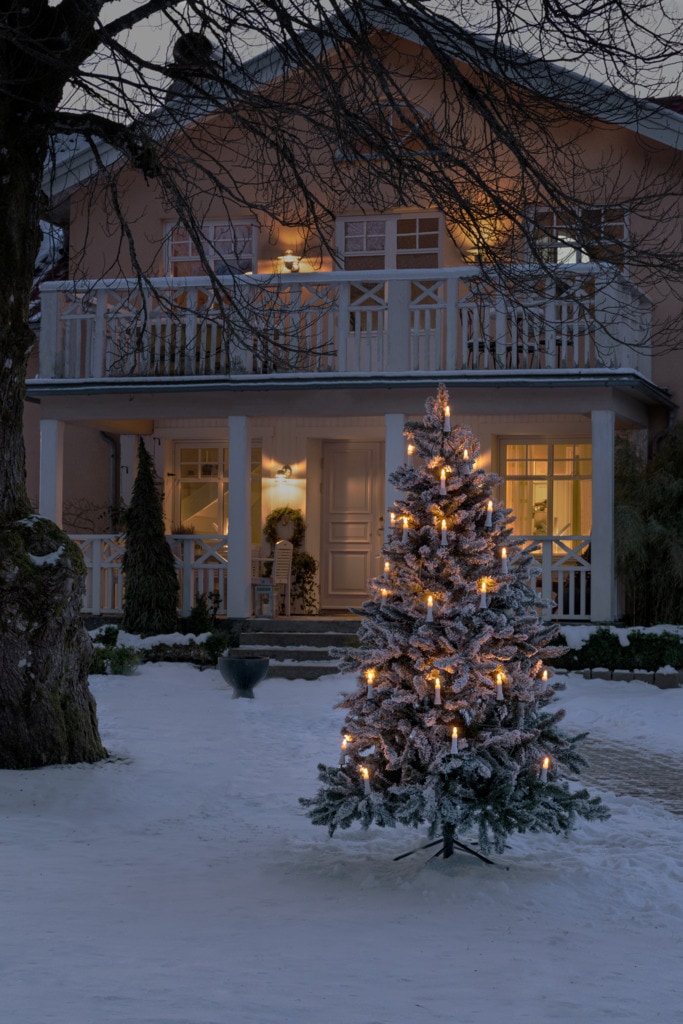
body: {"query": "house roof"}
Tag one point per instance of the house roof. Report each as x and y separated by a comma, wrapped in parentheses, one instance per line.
(660, 120)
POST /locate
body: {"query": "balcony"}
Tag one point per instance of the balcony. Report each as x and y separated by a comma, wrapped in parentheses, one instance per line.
(587, 317)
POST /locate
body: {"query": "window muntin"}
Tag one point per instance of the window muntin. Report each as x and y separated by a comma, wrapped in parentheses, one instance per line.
(229, 248)
(202, 489)
(594, 234)
(397, 125)
(548, 486)
(397, 242)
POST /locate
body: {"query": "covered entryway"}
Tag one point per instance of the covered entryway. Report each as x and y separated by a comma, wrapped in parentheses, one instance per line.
(352, 521)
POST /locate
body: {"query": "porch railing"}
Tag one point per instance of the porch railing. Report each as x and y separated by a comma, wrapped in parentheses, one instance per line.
(202, 564)
(371, 322)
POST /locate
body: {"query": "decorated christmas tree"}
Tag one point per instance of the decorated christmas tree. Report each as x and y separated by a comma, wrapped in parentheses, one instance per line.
(450, 725)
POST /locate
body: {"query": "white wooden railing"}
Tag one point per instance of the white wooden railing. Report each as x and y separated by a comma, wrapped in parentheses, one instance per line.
(202, 563)
(371, 322)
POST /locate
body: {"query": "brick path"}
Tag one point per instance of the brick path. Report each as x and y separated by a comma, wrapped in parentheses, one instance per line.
(630, 771)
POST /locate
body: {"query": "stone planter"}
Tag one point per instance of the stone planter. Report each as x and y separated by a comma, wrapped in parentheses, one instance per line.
(243, 672)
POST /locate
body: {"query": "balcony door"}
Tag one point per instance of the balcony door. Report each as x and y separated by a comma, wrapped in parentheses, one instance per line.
(351, 528)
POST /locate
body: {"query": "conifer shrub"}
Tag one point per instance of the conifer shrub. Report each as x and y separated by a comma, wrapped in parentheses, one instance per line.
(150, 597)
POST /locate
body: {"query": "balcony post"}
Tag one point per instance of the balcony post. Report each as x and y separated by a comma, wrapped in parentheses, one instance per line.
(49, 331)
(396, 341)
(394, 456)
(51, 486)
(239, 531)
(603, 587)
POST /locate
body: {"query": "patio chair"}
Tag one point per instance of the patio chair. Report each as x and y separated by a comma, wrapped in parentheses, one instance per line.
(276, 587)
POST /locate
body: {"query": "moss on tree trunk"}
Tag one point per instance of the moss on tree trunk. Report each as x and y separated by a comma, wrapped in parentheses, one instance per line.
(47, 713)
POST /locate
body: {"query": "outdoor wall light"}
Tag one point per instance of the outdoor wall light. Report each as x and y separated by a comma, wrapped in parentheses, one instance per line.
(284, 472)
(290, 261)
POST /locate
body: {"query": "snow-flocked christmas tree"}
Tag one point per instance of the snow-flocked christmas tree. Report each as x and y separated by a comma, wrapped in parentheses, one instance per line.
(450, 725)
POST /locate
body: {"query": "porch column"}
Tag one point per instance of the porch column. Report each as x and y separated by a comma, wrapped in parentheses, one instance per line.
(51, 487)
(603, 585)
(239, 527)
(394, 456)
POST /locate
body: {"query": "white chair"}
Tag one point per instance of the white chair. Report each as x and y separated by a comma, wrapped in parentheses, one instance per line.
(280, 579)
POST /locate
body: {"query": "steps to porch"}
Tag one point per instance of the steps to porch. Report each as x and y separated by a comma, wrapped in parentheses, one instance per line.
(299, 648)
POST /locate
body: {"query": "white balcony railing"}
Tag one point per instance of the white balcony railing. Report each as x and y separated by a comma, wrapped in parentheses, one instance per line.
(202, 565)
(373, 322)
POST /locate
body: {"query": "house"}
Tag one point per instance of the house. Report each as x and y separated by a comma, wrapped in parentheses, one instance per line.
(286, 375)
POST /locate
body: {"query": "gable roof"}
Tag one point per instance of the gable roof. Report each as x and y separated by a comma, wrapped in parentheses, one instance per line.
(660, 120)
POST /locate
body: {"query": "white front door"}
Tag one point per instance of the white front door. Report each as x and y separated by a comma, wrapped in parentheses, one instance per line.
(351, 529)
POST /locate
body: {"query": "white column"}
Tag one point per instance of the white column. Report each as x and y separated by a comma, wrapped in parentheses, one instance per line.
(394, 456)
(128, 466)
(51, 493)
(603, 585)
(239, 529)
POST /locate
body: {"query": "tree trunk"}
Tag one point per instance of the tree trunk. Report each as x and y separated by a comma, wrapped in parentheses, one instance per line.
(448, 837)
(47, 715)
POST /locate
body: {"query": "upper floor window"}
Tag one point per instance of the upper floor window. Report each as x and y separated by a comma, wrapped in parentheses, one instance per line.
(594, 234)
(395, 124)
(229, 248)
(402, 241)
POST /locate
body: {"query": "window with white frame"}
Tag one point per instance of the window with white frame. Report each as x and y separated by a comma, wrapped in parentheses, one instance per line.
(201, 501)
(548, 486)
(397, 124)
(229, 248)
(593, 234)
(400, 241)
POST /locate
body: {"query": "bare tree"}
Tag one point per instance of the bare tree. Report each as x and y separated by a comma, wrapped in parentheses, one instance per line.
(321, 93)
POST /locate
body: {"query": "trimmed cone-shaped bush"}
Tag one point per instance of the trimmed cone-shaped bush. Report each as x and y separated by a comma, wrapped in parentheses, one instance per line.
(150, 598)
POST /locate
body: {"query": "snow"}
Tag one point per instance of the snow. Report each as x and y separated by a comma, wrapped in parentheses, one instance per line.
(180, 882)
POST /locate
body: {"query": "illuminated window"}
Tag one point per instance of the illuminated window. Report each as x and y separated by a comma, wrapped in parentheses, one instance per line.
(548, 487)
(595, 234)
(396, 242)
(202, 489)
(229, 248)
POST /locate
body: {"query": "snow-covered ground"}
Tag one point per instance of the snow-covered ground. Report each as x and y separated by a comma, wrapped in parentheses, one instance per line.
(181, 883)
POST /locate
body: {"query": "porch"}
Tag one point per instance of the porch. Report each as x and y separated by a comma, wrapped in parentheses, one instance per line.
(584, 317)
(564, 572)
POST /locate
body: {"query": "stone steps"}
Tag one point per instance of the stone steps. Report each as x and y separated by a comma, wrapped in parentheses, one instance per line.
(298, 647)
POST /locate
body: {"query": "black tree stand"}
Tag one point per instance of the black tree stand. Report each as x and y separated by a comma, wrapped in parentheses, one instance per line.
(450, 845)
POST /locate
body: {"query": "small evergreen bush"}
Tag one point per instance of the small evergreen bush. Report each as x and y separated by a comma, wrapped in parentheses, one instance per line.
(603, 649)
(115, 661)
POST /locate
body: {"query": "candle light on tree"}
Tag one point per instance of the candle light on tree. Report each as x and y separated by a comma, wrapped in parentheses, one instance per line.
(466, 462)
(444, 538)
(544, 675)
(544, 768)
(404, 536)
(365, 774)
(392, 518)
(387, 567)
(499, 686)
(346, 739)
(454, 740)
(437, 690)
(442, 484)
(482, 599)
(430, 608)
(504, 560)
(411, 453)
(384, 593)
(447, 419)
(370, 676)
(489, 514)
